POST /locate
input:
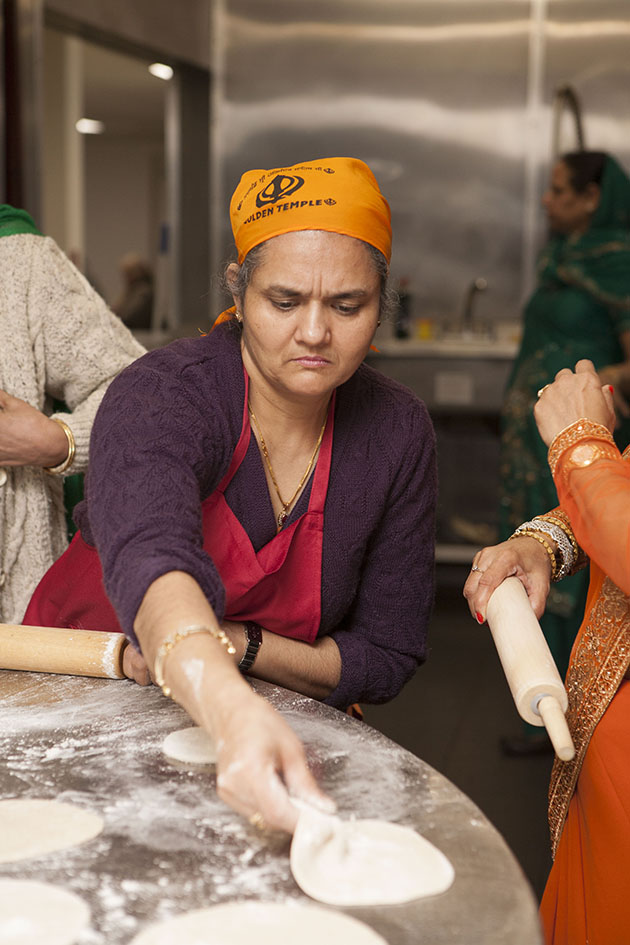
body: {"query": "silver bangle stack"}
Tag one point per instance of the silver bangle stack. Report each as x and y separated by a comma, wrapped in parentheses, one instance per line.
(565, 548)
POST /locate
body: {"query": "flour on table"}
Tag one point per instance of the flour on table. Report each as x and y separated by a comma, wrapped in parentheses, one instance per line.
(33, 913)
(365, 862)
(31, 828)
(241, 923)
(191, 746)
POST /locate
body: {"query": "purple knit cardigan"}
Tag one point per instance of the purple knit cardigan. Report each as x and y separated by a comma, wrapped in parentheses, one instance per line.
(163, 439)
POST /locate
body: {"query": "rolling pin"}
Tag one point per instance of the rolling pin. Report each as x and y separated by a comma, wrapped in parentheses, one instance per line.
(532, 675)
(57, 650)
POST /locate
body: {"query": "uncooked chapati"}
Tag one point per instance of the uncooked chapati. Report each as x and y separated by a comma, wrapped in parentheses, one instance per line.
(31, 828)
(365, 862)
(241, 923)
(190, 746)
(33, 913)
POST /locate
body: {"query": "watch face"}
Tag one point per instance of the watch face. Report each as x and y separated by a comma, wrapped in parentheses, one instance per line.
(253, 633)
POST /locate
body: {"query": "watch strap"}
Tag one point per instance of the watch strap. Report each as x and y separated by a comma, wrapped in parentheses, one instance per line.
(253, 635)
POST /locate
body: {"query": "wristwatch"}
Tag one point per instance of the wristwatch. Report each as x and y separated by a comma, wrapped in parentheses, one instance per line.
(253, 632)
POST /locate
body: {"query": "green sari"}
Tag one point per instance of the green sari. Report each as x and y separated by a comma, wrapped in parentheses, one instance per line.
(579, 309)
(13, 222)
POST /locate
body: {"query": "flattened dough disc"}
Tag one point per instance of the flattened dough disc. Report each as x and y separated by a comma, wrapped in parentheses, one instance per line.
(31, 828)
(191, 746)
(262, 923)
(365, 862)
(33, 913)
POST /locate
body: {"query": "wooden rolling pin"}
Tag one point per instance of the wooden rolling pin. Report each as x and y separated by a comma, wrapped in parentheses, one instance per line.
(532, 675)
(57, 650)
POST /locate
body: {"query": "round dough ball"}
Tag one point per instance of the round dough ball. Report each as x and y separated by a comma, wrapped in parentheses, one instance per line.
(262, 923)
(365, 862)
(31, 828)
(192, 746)
(33, 913)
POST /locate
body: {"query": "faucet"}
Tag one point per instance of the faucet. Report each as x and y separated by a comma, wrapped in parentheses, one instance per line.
(477, 285)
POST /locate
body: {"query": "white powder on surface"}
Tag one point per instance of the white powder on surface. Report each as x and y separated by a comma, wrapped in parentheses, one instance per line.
(170, 845)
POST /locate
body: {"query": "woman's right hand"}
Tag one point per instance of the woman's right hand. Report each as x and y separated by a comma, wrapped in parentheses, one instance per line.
(261, 763)
(522, 557)
(260, 759)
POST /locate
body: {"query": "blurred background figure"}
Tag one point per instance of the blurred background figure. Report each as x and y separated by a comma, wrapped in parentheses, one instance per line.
(579, 309)
(135, 304)
(60, 346)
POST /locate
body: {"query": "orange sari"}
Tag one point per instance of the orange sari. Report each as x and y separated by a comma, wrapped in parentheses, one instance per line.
(587, 898)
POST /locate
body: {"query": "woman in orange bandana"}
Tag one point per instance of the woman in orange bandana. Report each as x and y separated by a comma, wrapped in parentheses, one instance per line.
(260, 500)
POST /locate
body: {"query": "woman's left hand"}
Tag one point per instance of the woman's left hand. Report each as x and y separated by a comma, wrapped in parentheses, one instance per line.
(134, 666)
(571, 397)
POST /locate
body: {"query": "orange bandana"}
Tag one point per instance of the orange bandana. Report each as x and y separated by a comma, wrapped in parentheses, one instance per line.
(340, 195)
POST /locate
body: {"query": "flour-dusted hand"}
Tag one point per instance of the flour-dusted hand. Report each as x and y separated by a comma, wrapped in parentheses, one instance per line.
(571, 397)
(27, 436)
(522, 557)
(261, 764)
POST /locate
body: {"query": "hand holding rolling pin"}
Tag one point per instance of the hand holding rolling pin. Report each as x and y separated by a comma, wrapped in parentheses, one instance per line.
(494, 588)
(571, 396)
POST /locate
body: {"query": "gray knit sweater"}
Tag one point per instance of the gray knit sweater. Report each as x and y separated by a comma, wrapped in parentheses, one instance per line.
(59, 340)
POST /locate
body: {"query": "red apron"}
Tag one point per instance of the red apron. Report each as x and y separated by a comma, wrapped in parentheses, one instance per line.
(279, 587)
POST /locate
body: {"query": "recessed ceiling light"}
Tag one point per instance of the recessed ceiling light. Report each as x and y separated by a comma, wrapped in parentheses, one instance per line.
(90, 126)
(161, 70)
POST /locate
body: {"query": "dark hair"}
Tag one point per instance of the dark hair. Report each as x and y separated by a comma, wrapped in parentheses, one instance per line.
(389, 298)
(585, 167)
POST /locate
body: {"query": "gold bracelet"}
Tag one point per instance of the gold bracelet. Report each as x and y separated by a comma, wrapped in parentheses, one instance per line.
(566, 528)
(67, 462)
(544, 543)
(171, 642)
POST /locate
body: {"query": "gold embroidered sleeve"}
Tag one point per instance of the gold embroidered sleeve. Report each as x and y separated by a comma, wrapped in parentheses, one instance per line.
(579, 445)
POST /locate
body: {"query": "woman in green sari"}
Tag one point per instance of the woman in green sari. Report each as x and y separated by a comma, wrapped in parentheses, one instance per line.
(580, 309)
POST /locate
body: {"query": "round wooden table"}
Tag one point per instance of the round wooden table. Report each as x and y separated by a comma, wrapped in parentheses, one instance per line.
(170, 845)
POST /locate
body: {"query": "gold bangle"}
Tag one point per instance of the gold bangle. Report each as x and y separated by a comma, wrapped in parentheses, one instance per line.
(544, 543)
(566, 528)
(67, 462)
(171, 642)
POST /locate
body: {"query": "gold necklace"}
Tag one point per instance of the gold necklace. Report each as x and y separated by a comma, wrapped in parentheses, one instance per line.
(282, 517)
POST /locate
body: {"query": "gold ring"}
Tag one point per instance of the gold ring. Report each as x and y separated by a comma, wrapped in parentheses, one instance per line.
(543, 389)
(257, 820)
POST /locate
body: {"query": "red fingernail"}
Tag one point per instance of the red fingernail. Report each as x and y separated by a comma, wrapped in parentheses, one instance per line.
(611, 389)
(479, 617)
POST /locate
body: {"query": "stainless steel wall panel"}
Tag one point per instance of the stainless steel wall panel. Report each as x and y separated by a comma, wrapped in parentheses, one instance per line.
(588, 47)
(430, 94)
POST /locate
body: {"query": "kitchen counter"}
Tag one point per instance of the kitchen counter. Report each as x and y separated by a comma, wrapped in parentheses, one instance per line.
(453, 346)
(170, 846)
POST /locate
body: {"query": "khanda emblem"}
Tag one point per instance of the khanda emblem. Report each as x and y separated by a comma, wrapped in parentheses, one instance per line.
(281, 186)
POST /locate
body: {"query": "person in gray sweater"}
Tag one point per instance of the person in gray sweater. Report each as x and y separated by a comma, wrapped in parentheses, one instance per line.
(58, 341)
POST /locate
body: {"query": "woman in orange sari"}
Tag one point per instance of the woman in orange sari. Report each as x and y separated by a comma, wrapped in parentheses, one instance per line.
(586, 899)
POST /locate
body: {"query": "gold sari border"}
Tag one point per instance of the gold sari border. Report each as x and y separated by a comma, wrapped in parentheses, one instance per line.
(599, 661)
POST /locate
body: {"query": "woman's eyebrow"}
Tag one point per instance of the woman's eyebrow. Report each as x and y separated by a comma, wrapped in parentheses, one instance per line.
(295, 293)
